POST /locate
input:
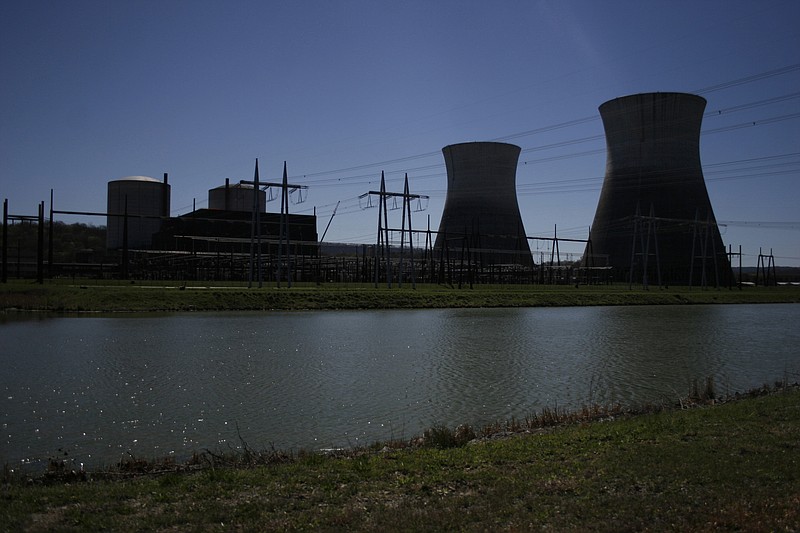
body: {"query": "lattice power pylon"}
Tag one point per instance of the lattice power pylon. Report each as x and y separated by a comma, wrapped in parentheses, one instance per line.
(383, 246)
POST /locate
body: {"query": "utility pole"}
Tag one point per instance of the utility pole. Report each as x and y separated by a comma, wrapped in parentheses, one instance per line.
(50, 240)
(283, 236)
(407, 209)
(705, 235)
(643, 228)
(731, 253)
(5, 241)
(554, 252)
(283, 233)
(588, 258)
(40, 247)
(38, 219)
(255, 231)
(428, 261)
(382, 245)
(766, 266)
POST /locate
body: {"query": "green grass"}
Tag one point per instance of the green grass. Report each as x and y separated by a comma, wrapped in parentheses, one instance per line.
(141, 297)
(734, 466)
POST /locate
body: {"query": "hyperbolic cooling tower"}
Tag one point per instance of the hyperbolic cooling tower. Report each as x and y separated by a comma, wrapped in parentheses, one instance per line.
(147, 201)
(481, 205)
(653, 170)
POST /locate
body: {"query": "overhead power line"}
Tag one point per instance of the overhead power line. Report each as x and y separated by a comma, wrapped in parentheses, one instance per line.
(331, 180)
(749, 79)
(760, 122)
(760, 224)
(328, 178)
(583, 120)
(751, 105)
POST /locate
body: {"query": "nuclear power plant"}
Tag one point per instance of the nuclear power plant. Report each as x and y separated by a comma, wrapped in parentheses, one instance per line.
(213, 242)
(654, 218)
(653, 223)
(481, 213)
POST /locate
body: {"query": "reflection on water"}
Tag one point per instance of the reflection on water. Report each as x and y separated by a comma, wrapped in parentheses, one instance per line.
(100, 388)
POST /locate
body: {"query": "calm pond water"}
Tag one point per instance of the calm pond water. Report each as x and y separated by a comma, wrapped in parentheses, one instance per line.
(101, 388)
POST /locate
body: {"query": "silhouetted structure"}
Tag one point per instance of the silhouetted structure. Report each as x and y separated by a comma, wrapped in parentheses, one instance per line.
(654, 217)
(146, 201)
(236, 197)
(481, 215)
(215, 230)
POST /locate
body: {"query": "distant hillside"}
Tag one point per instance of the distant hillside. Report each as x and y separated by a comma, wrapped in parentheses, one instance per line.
(782, 273)
(71, 242)
(778, 270)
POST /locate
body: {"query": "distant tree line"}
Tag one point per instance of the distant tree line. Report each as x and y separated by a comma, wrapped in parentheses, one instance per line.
(72, 243)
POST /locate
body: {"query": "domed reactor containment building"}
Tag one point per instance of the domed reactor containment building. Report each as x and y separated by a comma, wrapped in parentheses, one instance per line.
(654, 218)
(481, 213)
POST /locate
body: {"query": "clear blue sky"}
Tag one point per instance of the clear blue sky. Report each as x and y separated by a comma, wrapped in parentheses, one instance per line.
(94, 91)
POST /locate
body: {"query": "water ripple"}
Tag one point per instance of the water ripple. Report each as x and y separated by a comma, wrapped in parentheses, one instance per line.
(101, 388)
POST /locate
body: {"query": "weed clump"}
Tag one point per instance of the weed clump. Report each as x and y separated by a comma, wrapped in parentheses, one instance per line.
(442, 437)
(707, 393)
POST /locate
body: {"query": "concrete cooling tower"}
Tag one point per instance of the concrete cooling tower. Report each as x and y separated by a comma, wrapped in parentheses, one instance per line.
(147, 201)
(653, 169)
(481, 205)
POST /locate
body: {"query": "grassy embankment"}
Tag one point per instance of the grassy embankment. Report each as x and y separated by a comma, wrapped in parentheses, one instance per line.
(139, 297)
(734, 466)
